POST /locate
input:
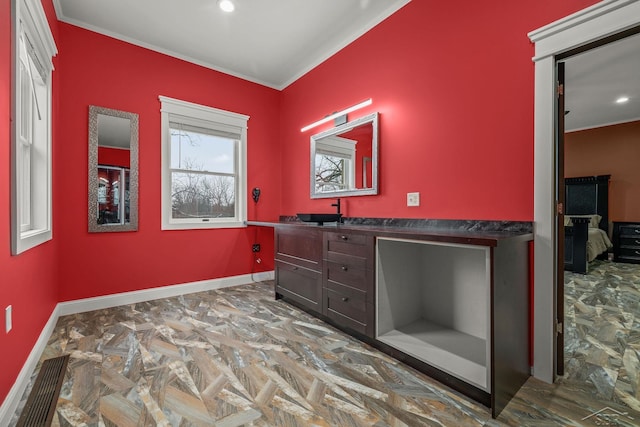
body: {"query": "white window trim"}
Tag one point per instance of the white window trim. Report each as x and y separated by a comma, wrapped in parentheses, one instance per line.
(175, 107)
(29, 16)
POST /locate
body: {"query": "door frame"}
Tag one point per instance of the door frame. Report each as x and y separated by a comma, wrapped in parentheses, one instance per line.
(601, 20)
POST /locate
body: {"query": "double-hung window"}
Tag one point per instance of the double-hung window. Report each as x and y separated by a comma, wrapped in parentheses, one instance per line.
(31, 127)
(203, 166)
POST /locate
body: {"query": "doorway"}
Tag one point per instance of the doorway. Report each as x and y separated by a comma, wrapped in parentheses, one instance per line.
(602, 20)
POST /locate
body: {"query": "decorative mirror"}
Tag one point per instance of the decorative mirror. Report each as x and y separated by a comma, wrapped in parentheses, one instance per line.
(344, 160)
(113, 170)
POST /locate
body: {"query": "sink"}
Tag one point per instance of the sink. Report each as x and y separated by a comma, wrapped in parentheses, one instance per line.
(320, 218)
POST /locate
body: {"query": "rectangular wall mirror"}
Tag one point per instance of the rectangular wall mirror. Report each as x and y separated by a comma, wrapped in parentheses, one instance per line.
(113, 170)
(344, 160)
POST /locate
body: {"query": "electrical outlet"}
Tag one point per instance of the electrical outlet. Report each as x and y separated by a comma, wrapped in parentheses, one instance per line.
(255, 247)
(413, 199)
(8, 321)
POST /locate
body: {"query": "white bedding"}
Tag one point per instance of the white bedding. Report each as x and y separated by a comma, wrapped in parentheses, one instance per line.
(598, 242)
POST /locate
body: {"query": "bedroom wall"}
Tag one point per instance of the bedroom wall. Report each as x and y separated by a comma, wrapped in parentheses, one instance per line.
(98, 70)
(454, 88)
(28, 282)
(610, 150)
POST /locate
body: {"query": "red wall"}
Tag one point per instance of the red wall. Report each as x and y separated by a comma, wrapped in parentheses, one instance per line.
(98, 70)
(28, 282)
(454, 87)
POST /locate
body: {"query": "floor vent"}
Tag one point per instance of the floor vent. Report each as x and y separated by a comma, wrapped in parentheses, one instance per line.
(41, 404)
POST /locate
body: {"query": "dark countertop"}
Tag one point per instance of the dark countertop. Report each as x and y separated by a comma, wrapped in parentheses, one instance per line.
(482, 233)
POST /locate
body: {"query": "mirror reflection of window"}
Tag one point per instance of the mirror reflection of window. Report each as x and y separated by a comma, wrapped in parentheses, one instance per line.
(334, 169)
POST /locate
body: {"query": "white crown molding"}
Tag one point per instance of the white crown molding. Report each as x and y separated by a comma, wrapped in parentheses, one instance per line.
(152, 47)
(277, 85)
(11, 402)
(328, 53)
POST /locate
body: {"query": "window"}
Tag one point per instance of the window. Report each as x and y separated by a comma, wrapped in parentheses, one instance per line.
(31, 127)
(203, 166)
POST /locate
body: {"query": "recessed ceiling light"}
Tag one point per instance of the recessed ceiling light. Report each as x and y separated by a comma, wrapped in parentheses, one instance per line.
(622, 100)
(226, 5)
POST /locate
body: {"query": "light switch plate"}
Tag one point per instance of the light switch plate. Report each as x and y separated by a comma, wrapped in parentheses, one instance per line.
(413, 199)
(7, 318)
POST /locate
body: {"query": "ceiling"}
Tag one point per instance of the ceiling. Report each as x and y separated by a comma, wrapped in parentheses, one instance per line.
(596, 78)
(275, 42)
(270, 42)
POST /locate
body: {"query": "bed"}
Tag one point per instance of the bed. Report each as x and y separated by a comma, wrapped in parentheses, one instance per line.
(586, 220)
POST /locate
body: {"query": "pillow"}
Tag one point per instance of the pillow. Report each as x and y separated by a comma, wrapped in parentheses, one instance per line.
(594, 220)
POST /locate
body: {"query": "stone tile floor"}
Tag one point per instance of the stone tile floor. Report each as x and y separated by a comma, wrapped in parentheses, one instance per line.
(236, 356)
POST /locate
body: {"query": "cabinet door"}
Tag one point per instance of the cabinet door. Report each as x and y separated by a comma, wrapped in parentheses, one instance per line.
(300, 284)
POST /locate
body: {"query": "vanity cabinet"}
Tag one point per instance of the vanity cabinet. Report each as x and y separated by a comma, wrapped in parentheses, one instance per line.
(452, 304)
(348, 282)
(298, 266)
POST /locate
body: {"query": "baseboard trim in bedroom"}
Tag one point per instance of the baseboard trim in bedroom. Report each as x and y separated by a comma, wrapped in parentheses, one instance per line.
(11, 402)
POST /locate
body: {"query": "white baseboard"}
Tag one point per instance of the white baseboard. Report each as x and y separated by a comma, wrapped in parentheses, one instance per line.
(10, 404)
(8, 408)
(114, 300)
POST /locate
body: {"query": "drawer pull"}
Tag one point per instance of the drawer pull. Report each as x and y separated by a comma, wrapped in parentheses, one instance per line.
(347, 237)
(637, 242)
(637, 252)
(344, 299)
(636, 230)
(344, 268)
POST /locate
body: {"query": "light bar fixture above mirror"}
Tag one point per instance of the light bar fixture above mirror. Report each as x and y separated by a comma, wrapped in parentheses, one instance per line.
(338, 114)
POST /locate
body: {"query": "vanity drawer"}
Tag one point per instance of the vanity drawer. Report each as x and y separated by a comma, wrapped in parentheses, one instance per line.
(300, 284)
(299, 246)
(350, 311)
(353, 249)
(350, 276)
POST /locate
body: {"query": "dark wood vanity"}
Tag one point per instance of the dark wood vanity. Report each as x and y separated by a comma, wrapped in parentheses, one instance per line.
(447, 300)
